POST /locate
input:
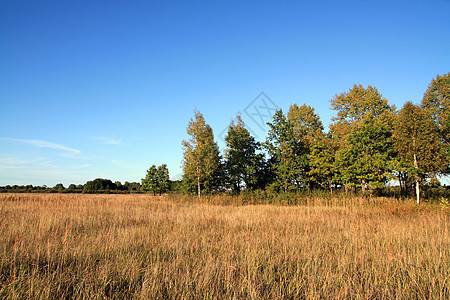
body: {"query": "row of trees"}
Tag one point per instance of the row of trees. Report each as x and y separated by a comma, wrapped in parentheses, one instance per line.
(369, 144)
(98, 185)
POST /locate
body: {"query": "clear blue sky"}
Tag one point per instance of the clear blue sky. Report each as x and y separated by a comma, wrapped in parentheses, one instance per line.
(106, 88)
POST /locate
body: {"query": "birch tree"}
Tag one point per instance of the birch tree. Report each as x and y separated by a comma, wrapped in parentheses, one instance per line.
(418, 145)
(436, 101)
(201, 159)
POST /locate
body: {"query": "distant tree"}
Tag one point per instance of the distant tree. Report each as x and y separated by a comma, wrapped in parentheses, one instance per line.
(436, 101)
(243, 162)
(156, 180)
(72, 187)
(119, 185)
(286, 151)
(91, 187)
(417, 141)
(99, 185)
(201, 159)
(59, 188)
(132, 187)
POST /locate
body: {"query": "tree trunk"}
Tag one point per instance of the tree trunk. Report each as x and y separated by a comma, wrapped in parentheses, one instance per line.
(198, 182)
(198, 186)
(417, 181)
(363, 187)
(417, 191)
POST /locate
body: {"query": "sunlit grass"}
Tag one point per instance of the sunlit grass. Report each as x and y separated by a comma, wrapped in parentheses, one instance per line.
(139, 246)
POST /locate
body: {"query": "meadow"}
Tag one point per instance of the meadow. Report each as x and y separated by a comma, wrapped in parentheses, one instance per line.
(173, 247)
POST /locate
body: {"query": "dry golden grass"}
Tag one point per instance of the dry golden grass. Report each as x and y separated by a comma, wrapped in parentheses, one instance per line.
(139, 246)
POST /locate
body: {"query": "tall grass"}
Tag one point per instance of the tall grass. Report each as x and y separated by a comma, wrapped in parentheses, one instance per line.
(139, 246)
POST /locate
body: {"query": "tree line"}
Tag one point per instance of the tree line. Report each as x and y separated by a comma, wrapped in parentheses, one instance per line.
(369, 144)
(97, 186)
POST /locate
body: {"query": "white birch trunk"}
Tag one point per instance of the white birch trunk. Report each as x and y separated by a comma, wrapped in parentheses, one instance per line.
(417, 181)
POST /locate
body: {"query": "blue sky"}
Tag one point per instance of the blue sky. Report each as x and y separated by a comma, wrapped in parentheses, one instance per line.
(106, 88)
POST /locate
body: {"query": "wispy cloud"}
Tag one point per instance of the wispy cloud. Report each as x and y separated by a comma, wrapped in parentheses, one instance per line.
(16, 162)
(109, 141)
(46, 144)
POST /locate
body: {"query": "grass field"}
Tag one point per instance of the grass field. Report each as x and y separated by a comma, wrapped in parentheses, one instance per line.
(140, 246)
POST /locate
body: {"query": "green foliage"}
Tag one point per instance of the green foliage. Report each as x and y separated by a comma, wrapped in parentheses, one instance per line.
(321, 158)
(307, 129)
(59, 188)
(417, 136)
(353, 106)
(157, 179)
(436, 101)
(367, 156)
(363, 126)
(244, 166)
(417, 141)
(99, 185)
(307, 124)
(201, 159)
(288, 154)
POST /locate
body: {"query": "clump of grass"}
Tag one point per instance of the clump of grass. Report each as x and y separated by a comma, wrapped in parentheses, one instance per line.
(139, 246)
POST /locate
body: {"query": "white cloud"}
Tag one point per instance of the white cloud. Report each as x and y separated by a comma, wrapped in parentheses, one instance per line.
(84, 166)
(46, 144)
(14, 162)
(109, 141)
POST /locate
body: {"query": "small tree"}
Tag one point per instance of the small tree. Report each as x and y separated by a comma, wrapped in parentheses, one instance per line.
(156, 180)
(59, 188)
